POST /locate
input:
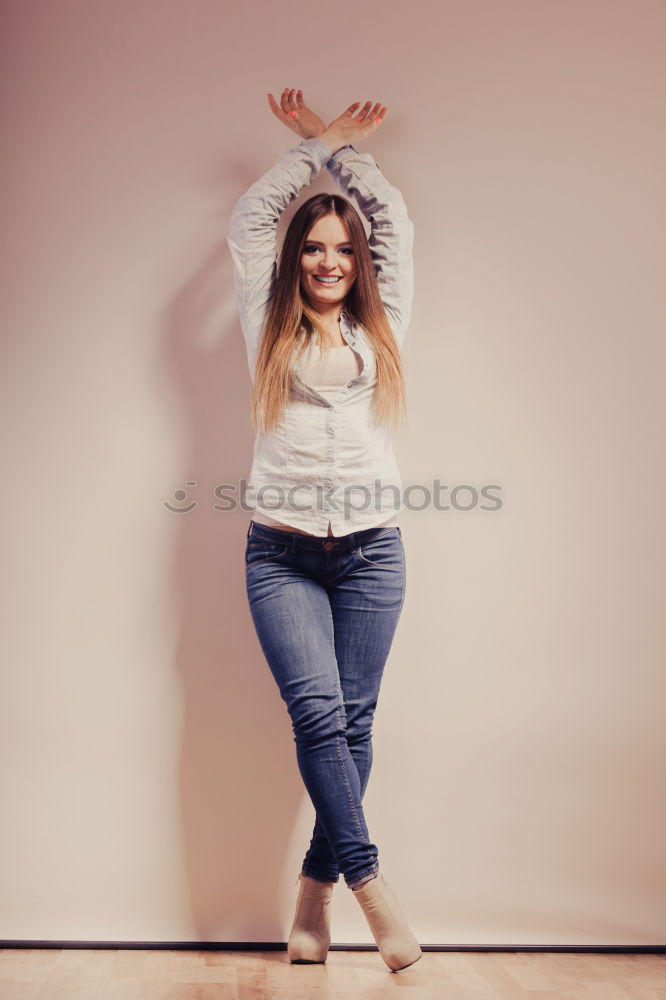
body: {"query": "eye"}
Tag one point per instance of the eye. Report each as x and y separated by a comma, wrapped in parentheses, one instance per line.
(311, 248)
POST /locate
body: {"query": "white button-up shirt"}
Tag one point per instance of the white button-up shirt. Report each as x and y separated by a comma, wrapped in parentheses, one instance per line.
(324, 461)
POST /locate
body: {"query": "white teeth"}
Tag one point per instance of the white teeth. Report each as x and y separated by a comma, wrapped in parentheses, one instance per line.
(326, 281)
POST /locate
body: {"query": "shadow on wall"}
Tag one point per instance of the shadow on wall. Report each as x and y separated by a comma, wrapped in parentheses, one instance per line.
(240, 789)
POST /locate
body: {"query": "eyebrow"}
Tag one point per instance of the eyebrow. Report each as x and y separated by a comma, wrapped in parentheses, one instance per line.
(345, 243)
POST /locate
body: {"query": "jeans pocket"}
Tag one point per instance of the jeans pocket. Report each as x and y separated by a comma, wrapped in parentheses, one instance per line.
(259, 552)
(384, 550)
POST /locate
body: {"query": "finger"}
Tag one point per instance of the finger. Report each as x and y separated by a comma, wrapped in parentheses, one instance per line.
(292, 104)
(299, 99)
(374, 119)
(292, 110)
(374, 114)
(275, 108)
(287, 103)
(365, 109)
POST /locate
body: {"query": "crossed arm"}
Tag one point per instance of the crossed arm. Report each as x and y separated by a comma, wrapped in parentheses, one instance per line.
(252, 230)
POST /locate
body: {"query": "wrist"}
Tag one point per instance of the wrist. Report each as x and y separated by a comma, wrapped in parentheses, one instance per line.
(311, 135)
(333, 139)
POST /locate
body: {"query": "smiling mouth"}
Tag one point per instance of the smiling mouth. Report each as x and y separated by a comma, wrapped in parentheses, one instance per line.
(323, 280)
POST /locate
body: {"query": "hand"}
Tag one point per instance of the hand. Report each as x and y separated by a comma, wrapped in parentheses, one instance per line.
(354, 126)
(296, 115)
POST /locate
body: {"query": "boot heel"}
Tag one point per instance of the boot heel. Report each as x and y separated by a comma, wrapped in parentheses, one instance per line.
(310, 936)
(397, 945)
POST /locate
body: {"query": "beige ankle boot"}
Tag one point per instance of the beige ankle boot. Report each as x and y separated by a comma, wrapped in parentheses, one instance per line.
(310, 936)
(397, 945)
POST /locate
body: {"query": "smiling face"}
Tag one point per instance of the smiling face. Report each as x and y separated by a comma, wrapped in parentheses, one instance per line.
(327, 253)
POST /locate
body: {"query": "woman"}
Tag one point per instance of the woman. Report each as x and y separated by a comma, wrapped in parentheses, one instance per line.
(325, 564)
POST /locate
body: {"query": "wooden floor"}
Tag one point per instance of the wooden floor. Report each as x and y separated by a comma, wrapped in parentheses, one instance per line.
(105, 974)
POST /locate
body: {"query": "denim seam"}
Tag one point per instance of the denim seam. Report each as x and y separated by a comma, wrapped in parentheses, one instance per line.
(340, 738)
(318, 823)
(350, 796)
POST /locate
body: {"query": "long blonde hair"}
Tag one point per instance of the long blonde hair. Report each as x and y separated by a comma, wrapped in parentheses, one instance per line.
(291, 322)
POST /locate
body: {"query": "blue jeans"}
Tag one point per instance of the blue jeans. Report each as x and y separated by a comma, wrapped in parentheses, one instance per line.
(325, 611)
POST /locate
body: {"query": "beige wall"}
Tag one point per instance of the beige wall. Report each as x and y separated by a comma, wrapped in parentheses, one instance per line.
(149, 782)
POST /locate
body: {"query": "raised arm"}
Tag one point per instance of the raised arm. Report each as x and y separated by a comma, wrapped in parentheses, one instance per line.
(252, 229)
(252, 233)
(391, 237)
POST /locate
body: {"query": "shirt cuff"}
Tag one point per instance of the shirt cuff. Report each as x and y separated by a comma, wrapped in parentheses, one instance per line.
(319, 148)
(342, 153)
